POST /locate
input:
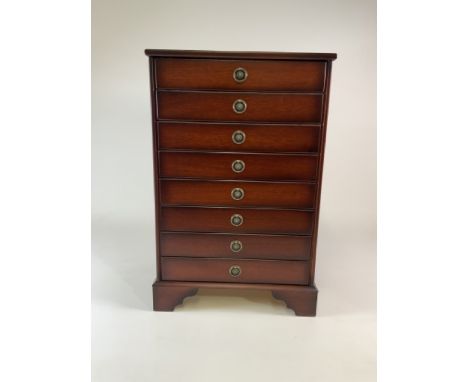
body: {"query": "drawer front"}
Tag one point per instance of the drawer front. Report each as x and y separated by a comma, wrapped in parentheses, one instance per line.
(196, 219)
(211, 106)
(258, 75)
(237, 194)
(238, 137)
(235, 246)
(224, 166)
(242, 271)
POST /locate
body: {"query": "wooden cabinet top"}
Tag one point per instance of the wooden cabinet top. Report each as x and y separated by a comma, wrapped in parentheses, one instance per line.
(237, 55)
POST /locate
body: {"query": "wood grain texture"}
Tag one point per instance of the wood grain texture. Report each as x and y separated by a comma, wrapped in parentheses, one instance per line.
(197, 219)
(258, 194)
(219, 246)
(301, 299)
(209, 74)
(252, 271)
(219, 166)
(285, 124)
(218, 106)
(259, 138)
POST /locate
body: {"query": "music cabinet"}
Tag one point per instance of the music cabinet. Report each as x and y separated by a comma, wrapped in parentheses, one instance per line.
(238, 143)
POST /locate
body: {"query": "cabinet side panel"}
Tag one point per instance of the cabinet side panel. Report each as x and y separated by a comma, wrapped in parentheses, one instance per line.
(323, 135)
(155, 137)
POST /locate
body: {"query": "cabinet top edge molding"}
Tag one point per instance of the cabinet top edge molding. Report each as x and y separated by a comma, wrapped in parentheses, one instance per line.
(240, 55)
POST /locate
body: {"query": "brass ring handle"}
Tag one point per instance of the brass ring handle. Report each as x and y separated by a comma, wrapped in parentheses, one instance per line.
(237, 220)
(238, 166)
(239, 106)
(238, 137)
(235, 271)
(237, 193)
(239, 75)
(236, 246)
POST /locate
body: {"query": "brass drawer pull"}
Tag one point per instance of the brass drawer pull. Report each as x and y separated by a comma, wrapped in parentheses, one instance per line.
(235, 271)
(237, 193)
(239, 106)
(240, 75)
(237, 220)
(238, 166)
(238, 137)
(236, 246)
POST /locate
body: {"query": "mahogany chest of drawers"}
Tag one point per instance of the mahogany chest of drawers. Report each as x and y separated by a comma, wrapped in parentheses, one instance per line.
(238, 143)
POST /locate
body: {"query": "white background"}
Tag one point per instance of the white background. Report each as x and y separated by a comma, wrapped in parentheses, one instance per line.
(214, 333)
(44, 211)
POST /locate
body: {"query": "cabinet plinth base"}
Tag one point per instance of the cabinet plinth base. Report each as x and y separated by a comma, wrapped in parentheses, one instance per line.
(166, 296)
(301, 299)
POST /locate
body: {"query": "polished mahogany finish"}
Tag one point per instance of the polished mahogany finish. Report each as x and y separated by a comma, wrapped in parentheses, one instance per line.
(251, 271)
(198, 219)
(238, 142)
(168, 295)
(301, 299)
(222, 55)
(254, 194)
(259, 138)
(218, 106)
(202, 74)
(279, 247)
(220, 166)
